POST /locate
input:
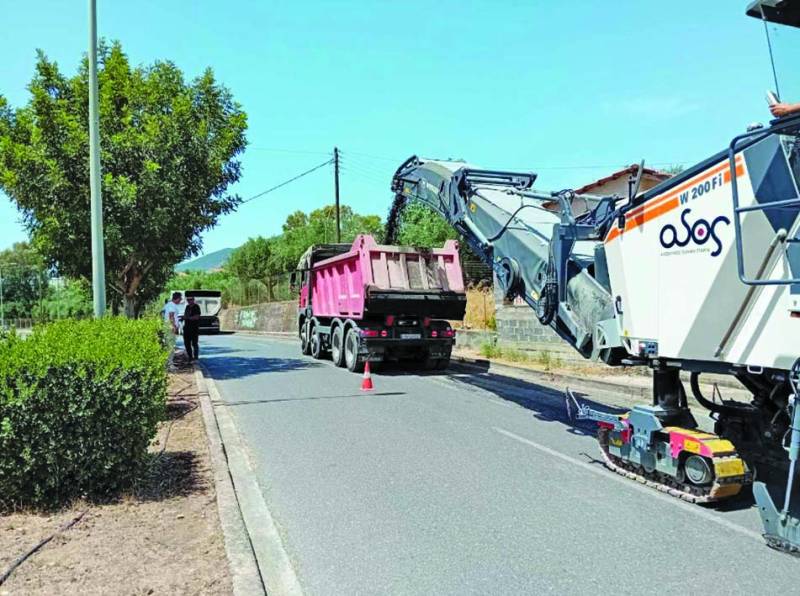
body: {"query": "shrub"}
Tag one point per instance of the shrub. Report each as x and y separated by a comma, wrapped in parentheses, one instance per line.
(80, 402)
(490, 349)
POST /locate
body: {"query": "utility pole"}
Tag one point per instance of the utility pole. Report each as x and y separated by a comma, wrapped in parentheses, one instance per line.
(2, 307)
(98, 251)
(336, 187)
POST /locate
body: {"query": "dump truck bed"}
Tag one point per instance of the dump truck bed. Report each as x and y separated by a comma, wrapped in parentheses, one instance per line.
(374, 279)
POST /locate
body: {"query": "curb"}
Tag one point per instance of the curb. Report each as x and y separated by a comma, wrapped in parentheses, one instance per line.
(256, 548)
(275, 334)
(245, 574)
(508, 370)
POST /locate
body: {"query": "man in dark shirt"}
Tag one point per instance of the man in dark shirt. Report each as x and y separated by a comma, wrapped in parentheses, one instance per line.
(191, 328)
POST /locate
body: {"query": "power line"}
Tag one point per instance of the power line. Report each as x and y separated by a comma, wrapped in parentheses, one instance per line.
(361, 155)
(277, 186)
(354, 167)
(396, 160)
(281, 150)
(370, 167)
(383, 183)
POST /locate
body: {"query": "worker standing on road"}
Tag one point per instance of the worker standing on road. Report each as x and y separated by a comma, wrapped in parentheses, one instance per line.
(191, 329)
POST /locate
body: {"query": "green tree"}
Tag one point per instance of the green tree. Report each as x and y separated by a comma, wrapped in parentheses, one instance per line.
(674, 169)
(66, 299)
(169, 153)
(252, 259)
(23, 281)
(319, 227)
(422, 226)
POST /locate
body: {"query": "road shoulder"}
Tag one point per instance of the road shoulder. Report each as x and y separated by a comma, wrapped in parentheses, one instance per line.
(251, 536)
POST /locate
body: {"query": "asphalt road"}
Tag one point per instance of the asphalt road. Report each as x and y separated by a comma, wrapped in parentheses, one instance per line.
(465, 483)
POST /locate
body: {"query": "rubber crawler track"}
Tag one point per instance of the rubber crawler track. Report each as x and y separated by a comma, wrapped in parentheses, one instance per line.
(782, 545)
(687, 492)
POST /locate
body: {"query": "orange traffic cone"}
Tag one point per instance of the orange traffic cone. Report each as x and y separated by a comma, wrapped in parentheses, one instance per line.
(366, 384)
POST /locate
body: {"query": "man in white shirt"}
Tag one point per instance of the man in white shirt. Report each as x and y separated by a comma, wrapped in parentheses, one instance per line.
(172, 312)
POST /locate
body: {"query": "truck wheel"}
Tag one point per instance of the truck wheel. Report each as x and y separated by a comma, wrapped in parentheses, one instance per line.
(316, 344)
(305, 344)
(354, 364)
(337, 346)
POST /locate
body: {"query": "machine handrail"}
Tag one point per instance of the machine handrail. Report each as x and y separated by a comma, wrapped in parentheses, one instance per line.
(750, 138)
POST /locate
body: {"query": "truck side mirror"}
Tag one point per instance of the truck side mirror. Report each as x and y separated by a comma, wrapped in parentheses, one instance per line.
(293, 281)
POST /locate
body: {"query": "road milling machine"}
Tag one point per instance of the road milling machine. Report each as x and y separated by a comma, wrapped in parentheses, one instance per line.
(700, 274)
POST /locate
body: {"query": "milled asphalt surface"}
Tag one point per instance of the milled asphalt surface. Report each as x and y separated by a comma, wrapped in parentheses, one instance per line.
(463, 483)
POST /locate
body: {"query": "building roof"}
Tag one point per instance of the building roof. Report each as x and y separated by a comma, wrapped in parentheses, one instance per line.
(631, 169)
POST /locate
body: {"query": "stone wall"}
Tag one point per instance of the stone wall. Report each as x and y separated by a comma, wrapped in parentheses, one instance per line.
(519, 325)
(271, 317)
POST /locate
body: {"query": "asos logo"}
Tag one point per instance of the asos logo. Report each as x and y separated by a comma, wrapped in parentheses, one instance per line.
(698, 232)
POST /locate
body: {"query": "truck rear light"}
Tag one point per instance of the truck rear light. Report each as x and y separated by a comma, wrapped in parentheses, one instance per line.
(389, 320)
(369, 333)
(449, 333)
(384, 333)
(434, 333)
(426, 322)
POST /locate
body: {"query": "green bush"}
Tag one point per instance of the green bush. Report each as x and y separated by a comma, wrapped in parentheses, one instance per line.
(80, 402)
(490, 349)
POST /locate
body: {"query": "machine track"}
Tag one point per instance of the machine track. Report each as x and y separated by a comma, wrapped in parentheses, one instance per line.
(716, 491)
(782, 545)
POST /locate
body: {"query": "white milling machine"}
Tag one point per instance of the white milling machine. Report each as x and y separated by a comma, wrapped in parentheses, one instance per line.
(700, 274)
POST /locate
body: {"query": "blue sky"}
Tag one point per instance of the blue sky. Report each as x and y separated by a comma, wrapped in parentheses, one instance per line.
(570, 90)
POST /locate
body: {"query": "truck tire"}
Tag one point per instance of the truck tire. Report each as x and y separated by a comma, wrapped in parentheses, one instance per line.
(316, 344)
(337, 346)
(305, 344)
(351, 359)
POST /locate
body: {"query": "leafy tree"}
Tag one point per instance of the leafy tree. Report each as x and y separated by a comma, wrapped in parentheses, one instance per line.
(674, 169)
(169, 153)
(23, 281)
(66, 299)
(423, 227)
(195, 280)
(318, 227)
(252, 259)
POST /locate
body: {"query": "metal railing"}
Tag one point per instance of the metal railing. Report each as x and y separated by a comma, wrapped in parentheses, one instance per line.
(738, 144)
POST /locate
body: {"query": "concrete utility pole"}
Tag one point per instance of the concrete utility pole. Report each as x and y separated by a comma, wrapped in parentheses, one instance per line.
(98, 251)
(336, 187)
(2, 306)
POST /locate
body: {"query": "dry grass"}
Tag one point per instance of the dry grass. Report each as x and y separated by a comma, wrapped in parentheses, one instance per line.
(541, 359)
(480, 309)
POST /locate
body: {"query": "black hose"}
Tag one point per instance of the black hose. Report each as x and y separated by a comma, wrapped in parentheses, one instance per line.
(548, 300)
(25, 556)
(508, 223)
(727, 407)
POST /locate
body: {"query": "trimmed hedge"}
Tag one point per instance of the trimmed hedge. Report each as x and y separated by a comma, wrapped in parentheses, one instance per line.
(80, 402)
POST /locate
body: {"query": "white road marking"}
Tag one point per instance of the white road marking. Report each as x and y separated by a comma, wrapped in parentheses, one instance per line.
(693, 509)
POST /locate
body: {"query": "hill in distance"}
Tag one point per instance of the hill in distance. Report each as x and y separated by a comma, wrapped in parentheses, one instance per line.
(210, 262)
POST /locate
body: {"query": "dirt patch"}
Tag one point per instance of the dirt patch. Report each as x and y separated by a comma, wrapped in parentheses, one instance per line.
(162, 538)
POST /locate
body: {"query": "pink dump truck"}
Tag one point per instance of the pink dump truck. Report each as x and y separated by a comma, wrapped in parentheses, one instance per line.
(370, 302)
